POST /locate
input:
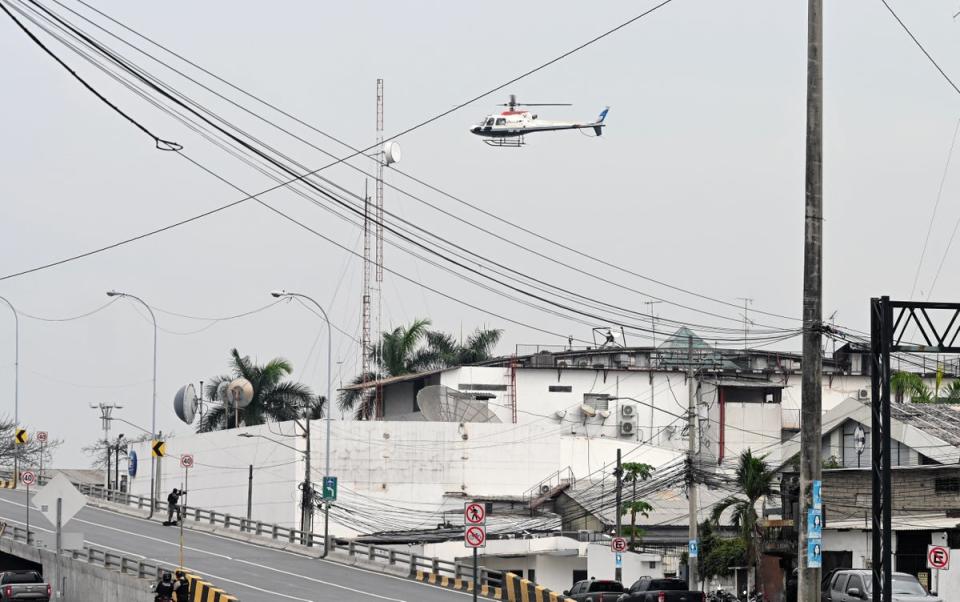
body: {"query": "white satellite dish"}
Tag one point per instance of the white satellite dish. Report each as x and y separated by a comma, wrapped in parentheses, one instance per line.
(239, 393)
(391, 152)
(185, 403)
(443, 404)
(588, 411)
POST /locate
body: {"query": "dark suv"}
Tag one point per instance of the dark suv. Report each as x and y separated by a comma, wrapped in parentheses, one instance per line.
(854, 585)
(595, 590)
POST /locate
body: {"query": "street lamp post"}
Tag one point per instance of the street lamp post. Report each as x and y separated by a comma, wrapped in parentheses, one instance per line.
(326, 504)
(153, 423)
(16, 381)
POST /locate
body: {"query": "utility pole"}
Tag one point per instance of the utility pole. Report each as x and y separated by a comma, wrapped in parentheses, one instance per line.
(692, 559)
(618, 473)
(747, 302)
(810, 408)
(653, 351)
(250, 493)
(306, 510)
(106, 412)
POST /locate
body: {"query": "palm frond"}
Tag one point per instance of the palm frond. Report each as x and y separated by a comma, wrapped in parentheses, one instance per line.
(349, 398)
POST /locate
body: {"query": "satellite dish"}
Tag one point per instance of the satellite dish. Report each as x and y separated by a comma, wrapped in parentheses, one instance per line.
(185, 403)
(560, 414)
(604, 413)
(438, 403)
(588, 411)
(391, 152)
(239, 393)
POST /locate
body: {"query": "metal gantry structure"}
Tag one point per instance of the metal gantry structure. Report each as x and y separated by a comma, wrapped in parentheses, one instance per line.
(938, 327)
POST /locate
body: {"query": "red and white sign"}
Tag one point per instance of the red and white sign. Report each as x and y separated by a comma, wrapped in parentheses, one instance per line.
(474, 513)
(618, 544)
(475, 537)
(42, 436)
(186, 461)
(27, 477)
(938, 557)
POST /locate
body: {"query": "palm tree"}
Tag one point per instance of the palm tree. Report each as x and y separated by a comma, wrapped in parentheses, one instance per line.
(273, 397)
(754, 480)
(909, 383)
(415, 348)
(633, 473)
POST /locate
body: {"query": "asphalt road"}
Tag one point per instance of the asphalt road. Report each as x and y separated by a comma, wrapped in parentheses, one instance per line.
(249, 571)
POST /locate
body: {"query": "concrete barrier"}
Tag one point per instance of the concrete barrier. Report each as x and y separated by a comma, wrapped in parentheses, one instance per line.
(463, 585)
(524, 590)
(203, 591)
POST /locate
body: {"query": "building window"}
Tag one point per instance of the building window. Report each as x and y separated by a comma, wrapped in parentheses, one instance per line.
(481, 387)
(597, 401)
(532, 575)
(652, 564)
(560, 389)
(947, 485)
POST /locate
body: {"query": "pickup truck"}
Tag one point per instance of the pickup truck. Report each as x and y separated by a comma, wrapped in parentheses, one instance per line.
(595, 590)
(649, 589)
(23, 585)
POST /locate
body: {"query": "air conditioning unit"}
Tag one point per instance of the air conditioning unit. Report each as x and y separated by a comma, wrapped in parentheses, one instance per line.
(544, 489)
(628, 410)
(863, 394)
(628, 428)
(583, 535)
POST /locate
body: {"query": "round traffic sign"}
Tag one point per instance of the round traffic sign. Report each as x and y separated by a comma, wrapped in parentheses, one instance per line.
(618, 544)
(42, 436)
(475, 537)
(186, 461)
(27, 477)
(938, 557)
(474, 513)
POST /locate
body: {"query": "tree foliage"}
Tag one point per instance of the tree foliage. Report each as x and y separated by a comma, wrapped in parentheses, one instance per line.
(718, 554)
(274, 397)
(754, 481)
(634, 472)
(415, 348)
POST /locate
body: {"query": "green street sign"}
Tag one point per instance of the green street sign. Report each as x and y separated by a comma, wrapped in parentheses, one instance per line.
(330, 488)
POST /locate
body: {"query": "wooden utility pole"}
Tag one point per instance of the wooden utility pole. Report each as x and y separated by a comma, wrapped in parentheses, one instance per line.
(810, 416)
(692, 559)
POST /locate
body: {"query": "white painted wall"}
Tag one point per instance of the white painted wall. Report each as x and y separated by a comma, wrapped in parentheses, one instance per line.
(857, 542)
(556, 572)
(602, 564)
(420, 467)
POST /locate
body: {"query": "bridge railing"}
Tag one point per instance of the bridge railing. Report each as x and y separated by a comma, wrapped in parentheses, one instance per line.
(106, 559)
(370, 552)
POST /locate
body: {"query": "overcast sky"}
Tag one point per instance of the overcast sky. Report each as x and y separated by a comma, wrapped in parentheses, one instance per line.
(697, 181)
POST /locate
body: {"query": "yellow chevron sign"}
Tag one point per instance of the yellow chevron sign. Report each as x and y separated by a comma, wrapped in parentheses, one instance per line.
(158, 449)
(21, 437)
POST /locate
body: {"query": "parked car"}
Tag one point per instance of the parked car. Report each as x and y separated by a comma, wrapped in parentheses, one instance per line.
(649, 589)
(595, 590)
(854, 585)
(23, 585)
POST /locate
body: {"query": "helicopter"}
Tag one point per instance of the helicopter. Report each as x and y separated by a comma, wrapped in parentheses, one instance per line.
(509, 127)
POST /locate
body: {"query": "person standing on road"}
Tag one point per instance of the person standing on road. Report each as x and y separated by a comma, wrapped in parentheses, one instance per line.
(173, 505)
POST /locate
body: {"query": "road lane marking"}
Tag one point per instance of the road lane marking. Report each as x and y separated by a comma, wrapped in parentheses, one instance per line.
(234, 541)
(336, 585)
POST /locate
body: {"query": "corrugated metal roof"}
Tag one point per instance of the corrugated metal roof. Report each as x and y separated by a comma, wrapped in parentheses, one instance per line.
(938, 419)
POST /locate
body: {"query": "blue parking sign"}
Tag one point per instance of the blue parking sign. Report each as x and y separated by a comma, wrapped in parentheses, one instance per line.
(817, 498)
(694, 548)
(619, 560)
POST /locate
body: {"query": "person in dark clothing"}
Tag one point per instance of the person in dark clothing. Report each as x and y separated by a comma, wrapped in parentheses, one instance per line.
(182, 587)
(164, 589)
(173, 505)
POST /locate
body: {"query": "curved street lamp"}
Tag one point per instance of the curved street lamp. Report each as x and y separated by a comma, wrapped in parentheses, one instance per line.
(282, 294)
(153, 423)
(16, 381)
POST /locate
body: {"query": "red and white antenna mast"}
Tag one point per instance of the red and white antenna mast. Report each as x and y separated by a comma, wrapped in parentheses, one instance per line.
(381, 160)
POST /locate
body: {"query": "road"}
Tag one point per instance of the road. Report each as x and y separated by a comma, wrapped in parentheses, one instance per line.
(249, 571)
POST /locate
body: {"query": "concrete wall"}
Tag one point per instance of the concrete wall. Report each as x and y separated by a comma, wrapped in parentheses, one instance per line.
(847, 493)
(425, 467)
(856, 542)
(83, 581)
(602, 564)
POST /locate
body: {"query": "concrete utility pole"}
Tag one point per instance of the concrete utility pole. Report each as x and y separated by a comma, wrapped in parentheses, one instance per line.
(653, 332)
(692, 578)
(106, 413)
(810, 410)
(306, 516)
(618, 473)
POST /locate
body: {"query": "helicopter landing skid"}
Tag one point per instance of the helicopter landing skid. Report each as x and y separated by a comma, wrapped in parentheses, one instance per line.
(516, 142)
